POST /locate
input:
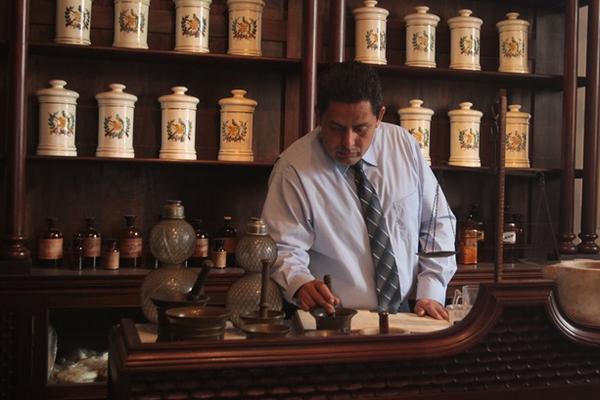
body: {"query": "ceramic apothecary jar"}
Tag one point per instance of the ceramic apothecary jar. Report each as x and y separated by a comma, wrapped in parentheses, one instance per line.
(370, 28)
(464, 136)
(57, 118)
(465, 41)
(236, 127)
(131, 24)
(245, 27)
(192, 19)
(513, 44)
(517, 137)
(178, 126)
(115, 122)
(73, 21)
(417, 120)
(420, 38)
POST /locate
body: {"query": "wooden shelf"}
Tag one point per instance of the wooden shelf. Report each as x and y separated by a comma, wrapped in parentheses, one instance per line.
(161, 56)
(489, 170)
(258, 164)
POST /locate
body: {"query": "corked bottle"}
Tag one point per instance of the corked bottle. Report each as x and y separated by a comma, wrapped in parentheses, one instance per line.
(131, 244)
(92, 243)
(202, 245)
(110, 255)
(50, 250)
(228, 235)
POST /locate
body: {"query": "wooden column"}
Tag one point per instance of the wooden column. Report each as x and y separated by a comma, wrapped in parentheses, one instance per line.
(590, 147)
(501, 186)
(14, 246)
(567, 179)
(337, 35)
(309, 66)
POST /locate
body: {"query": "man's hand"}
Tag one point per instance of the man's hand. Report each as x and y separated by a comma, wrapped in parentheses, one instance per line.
(432, 308)
(316, 293)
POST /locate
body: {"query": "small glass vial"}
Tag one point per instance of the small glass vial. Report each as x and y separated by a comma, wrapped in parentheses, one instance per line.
(228, 235)
(131, 244)
(467, 247)
(521, 238)
(92, 244)
(219, 254)
(77, 253)
(509, 238)
(73, 21)
(478, 224)
(110, 255)
(202, 245)
(50, 250)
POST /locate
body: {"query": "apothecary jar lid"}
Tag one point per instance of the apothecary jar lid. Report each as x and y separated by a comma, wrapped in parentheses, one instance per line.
(245, 3)
(178, 97)
(238, 99)
(144, 2)
(192, 3)
(514, 111)
(57, 93)
(116, 95)
(369, 11)
(422, 17)
(415, 109)
(173, 210)
(257, 226)
(512, 21)
(465, 111)
(465, 20)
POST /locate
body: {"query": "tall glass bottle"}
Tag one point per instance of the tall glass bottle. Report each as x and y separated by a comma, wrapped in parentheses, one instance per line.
(92, 244)
(202, 245)
(509, 237)
(50, 250)
(131, 244)
(229, 236)
(520, 239)
(77, 253)
(480, 226)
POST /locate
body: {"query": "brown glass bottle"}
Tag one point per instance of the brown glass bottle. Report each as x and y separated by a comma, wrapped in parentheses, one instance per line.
(76, 261)
(509, 238)
(228, 235)
(110, 255)
(480, 226)
(92, 244)
(131, 244)
(50, 249)
(219, 254)
(202, 245)
(521, 239)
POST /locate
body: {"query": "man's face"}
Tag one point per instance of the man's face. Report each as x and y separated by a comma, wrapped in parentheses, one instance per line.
(347, 130)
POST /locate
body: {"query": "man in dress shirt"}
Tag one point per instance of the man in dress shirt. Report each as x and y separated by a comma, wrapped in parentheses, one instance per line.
(315, 216)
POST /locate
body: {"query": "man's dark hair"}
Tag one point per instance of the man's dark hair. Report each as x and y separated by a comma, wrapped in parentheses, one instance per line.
(349, 82)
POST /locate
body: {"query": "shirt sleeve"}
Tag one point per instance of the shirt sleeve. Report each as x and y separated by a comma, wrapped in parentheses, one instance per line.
(434, 274)
(287, 214)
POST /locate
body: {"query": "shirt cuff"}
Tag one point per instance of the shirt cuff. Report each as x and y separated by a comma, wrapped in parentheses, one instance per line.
(294, 284)
(429, 287)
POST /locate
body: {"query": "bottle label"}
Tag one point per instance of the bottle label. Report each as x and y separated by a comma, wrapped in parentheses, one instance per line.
(220, 258)
(111, 260)
(201, 250)
(131, 248)
(509, 237)
(91, 247)
(468, 247)
(50, 249)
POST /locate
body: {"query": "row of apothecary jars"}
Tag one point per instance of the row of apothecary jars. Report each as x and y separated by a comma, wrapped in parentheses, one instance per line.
(465, 39)
(465, 135)
(192, 19)
(57, 123)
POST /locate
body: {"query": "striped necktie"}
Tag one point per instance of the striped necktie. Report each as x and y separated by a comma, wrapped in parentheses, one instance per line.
(386, 273)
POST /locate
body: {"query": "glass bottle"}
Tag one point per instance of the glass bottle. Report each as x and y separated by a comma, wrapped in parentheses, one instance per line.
(50, 250)
(110, 255)
(92, 244)
(521, 238)
(131, 244)
(202, 245)
(509, 238)
(480, 226)
(219, 254)
(228, 235)
(77, 253)
(467, 246)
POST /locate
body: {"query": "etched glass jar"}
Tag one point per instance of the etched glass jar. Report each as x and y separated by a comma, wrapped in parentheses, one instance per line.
(417, 120)
(236, 127)
(513, 44)
(465, 41)
(192, 19)
(73, 21)
(131, 24)
(245, 27)
(57, 117)
(178, 115)
(516, 143)
(464, 136)
(420, 38)
(370, 31)
(115, 122)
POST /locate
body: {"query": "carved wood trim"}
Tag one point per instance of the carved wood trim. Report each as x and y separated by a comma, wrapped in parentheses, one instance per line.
(571, 330)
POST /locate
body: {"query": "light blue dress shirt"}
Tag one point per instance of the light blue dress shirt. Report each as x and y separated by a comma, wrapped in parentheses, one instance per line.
(314, 215)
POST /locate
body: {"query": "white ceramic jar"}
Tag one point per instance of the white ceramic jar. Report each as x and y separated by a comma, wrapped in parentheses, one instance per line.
(192, 18)
(73, 21)
(465, 41)
(417, 120)
(420, 38)
(516, 143)
(236, 127)
(513, 44)
(370, 33)
(178, 126)
(115, 122)
(464, 136)
(57, 117)
(245, 27)
(131, 24)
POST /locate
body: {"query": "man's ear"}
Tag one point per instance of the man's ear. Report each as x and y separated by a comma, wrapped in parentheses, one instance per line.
(380, 115)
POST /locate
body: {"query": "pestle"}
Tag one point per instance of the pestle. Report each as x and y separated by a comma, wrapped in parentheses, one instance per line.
(327, 280)
(263, 310)
(384, 323)
(194, 294)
